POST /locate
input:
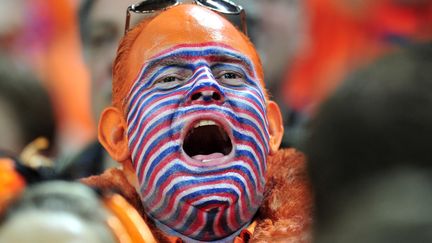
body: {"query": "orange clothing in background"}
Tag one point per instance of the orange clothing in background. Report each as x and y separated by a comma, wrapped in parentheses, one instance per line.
(11, 183)
(342, 39)
(52, 25)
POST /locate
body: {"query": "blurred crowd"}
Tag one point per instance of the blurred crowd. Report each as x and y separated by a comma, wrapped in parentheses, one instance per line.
(353, 79)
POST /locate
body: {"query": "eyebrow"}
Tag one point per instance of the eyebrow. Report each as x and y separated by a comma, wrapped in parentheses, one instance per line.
(184, 61)
(232, 59)
(169, 61)
(226, 58)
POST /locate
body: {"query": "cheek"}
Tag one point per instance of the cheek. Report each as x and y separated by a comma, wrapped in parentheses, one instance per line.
(149, 120)
(251, 135)
(249, 106)
(151, 106)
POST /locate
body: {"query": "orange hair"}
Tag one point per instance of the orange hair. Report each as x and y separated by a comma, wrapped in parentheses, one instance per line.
(121, 86)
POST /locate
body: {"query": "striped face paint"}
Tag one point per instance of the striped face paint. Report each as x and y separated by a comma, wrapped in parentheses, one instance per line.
(198, 135)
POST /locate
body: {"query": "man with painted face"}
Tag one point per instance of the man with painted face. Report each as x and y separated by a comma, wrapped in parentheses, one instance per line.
(197, 136)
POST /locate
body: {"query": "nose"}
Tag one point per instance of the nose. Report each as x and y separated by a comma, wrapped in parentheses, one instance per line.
(206, 94)
(205, 90)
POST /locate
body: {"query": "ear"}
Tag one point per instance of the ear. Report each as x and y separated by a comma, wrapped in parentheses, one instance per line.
(112, 134)
(276, 128)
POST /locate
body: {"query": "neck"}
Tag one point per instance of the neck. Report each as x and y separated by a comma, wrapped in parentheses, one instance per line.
(129, 172)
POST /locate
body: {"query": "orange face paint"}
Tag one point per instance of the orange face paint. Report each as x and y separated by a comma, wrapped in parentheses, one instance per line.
(183, 24)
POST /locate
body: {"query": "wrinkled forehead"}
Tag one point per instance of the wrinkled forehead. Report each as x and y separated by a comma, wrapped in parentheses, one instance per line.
(192, 32)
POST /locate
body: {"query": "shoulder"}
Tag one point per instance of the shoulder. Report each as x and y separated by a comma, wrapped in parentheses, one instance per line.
(114, 180)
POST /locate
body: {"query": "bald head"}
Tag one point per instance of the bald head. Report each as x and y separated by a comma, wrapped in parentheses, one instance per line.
(186, 24)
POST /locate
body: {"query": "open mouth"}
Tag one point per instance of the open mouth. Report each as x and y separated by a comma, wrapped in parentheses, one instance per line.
(206, 141)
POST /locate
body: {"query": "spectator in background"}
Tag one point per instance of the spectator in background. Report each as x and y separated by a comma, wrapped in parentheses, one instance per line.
(56, 212)
(15, 176)
(49, 42)
(101, 27)
(25, 110)
(12, 181)
(282, 26)
(369, 151)
(282, 31)
(341, 37)
(11, 25)
(41, 207)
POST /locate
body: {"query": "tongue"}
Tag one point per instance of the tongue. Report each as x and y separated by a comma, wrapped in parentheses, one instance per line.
(208, 156)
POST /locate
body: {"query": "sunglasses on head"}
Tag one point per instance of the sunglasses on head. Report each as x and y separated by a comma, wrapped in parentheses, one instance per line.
(220, 6)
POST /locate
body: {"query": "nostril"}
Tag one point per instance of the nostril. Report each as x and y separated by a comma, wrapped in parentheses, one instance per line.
(216, 96)
(196, 96)
(207, 96)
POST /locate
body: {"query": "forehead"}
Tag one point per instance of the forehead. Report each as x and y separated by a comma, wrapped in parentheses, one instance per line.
(211, 52)
(188, 25)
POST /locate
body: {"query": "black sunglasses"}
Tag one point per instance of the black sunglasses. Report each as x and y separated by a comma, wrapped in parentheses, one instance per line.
(221, 6)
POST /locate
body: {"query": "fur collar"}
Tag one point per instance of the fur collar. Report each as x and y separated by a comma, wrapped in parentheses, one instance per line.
(285, 215)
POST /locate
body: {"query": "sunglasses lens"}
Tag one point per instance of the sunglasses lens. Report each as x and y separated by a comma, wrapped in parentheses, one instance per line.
(152, 5)
(222, 6)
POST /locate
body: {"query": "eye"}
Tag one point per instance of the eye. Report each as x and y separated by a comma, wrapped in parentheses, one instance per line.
(230, 78)
(170, 79)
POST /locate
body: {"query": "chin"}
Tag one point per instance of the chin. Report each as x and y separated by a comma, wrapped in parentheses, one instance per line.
(211, 217)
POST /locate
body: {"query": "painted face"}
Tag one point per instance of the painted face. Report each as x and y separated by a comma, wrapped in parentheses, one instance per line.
(198, 136)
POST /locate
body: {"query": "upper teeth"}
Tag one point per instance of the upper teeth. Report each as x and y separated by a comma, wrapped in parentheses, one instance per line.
(204, 123)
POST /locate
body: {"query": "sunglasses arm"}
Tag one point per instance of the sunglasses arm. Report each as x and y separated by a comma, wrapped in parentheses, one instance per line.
(128, 16)
(243, 21)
